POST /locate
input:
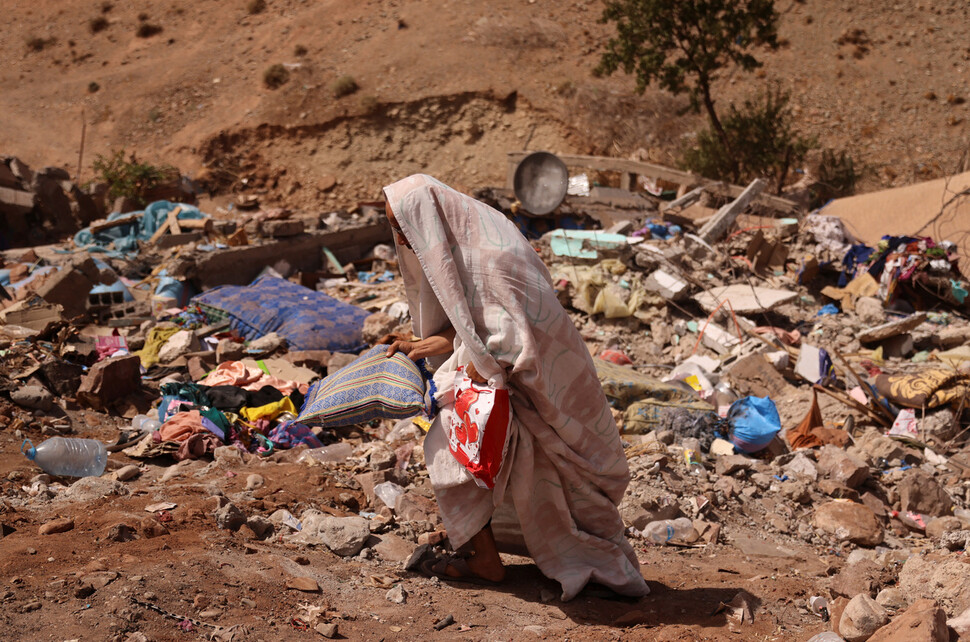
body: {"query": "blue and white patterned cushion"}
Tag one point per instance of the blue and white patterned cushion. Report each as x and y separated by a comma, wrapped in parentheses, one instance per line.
(372, 387)
(307, 319)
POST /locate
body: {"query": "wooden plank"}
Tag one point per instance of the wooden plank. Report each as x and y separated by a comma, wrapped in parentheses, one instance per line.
(160, 232)
(100, 226)
(173, 221)
(609, 164)
(718, 226)
(204, 224)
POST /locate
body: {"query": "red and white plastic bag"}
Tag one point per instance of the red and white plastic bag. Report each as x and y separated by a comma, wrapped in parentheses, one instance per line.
(478, 436)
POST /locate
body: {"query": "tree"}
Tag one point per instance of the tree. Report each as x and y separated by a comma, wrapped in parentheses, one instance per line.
(684, 44)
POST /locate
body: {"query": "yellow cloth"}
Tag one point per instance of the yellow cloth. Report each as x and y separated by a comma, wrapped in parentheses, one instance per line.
(269, 411)
(157, 337)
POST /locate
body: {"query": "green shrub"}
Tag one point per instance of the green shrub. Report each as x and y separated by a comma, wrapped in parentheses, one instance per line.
(36, 43)
(837, 177)
(147, 30)
(762, 138)
(300, 51)
(93, 87)
(276, 76)
(130, 178)
(256, 6)
(98, 24)
(344, 86)
(368, 104)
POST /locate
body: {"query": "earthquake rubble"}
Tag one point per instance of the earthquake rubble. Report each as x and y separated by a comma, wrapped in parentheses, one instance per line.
(797, 393)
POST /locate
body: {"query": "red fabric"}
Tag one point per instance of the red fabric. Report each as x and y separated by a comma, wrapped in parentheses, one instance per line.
(479, 434)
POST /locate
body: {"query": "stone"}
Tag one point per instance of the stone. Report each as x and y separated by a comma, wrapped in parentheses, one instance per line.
(412, 507)
(837, 490)
(434, 538)
(940, 424)
(328, 631)
(109, 381)
(228, 456)
(802, 468)
(837, 465)
(378, 325)
(891, 329)
(266, 343)
(719, 447)
(381, 456)
(126, 473)
(305, 584)
(338, 360)
(877, 446)
(797, 491)
(61, 525)
(891, 598)
(229, 350)
(33, 397)
(367, 481)
(261, 526)
(99, 579)
(394, 548)
(961, 623)
(861, 577)
(945, 580)
(667, 285)
(870, 310)
(939, 525)
(150, 528)
(280, 229)
(230, 517)
(179, 344)
(313, 359)
(345, 536)
(254, 481)
(920, 493)
(89, 489)
(62, 377)
(120, 533)
(924, 621)
(849, 521)
(861, 618)
(397, 595)
(955, 540)
(731, 464)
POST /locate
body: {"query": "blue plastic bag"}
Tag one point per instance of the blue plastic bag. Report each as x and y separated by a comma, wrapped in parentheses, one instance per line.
(752, 423)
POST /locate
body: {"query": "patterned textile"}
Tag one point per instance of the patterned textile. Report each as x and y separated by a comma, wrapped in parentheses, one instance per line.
(929, 388)
(372, 387)
(307, 319)
(565, 471)
(643, 400)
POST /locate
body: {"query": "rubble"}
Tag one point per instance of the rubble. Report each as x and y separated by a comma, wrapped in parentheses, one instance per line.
(92, 344)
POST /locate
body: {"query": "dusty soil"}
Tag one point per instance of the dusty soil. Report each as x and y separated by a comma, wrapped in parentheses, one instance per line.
(446, 88)
(196, 567)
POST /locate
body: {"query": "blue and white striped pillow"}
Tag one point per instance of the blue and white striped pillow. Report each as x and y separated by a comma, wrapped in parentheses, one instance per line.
(372, 387)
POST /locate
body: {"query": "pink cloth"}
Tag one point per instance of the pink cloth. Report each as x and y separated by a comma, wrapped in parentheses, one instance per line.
(236, 373)
(565, 470)
(181, 426)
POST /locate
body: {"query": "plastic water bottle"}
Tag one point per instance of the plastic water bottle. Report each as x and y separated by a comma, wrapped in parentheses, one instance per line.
(664, 530)
(68, 457)
(144, 423)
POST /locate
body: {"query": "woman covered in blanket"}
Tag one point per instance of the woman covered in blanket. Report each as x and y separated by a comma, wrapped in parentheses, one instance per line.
(481, 298)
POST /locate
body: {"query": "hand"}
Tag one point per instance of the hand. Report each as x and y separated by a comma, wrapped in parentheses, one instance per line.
(473, 373)
(417, 350)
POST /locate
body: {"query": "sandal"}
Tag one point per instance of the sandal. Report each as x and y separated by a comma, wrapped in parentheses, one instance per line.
(438, 567)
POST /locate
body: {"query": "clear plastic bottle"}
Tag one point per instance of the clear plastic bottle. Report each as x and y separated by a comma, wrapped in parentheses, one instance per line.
(68, 457)
(664, 530)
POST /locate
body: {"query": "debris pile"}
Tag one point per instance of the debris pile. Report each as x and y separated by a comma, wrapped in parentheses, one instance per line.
(783, 391)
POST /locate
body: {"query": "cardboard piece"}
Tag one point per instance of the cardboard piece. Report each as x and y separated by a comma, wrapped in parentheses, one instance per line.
(863, 285)
(916, 210)
(766, 253)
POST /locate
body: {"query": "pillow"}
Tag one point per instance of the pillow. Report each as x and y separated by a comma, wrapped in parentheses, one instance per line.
(372, 387)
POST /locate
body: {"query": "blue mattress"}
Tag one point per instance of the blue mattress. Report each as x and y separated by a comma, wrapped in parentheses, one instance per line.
(307, 319)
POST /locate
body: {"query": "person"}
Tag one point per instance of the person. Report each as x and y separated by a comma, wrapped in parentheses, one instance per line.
(480, 297)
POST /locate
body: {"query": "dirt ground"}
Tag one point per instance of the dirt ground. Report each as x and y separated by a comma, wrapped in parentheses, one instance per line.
(446, 88)
(195, 566)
